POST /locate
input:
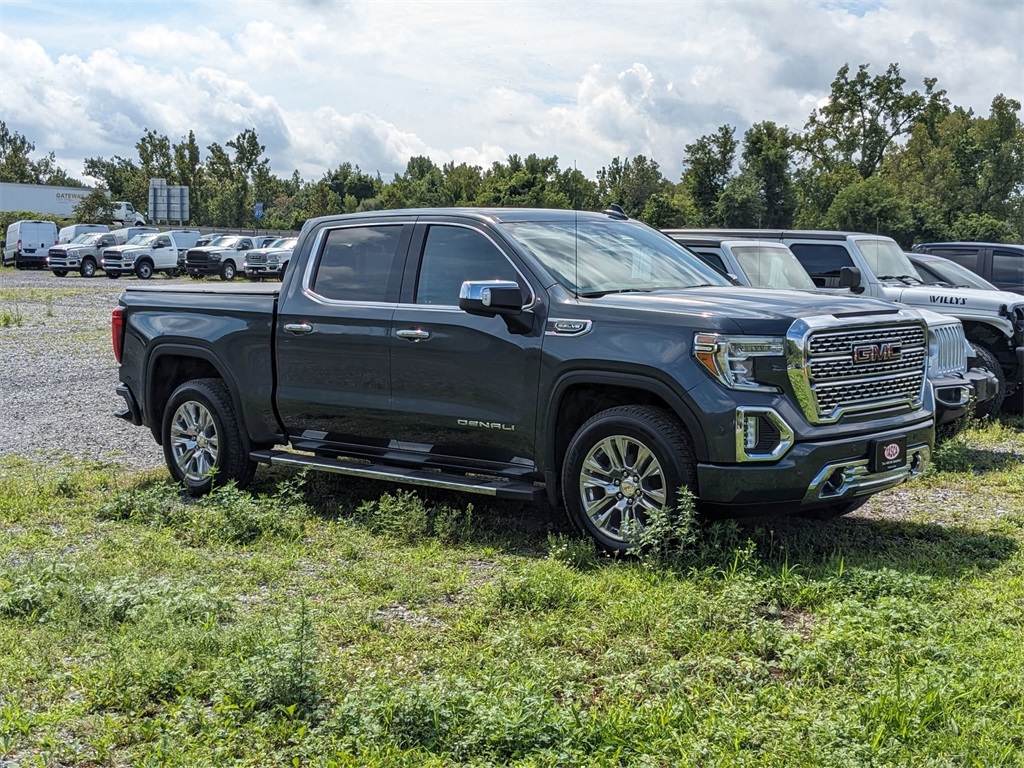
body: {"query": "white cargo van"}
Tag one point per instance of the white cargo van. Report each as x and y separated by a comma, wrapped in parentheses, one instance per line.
(28, 243)
(71, 231)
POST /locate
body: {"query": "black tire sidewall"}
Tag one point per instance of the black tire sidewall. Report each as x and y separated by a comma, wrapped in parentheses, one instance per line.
(212, 394)
(144, 270)
(88, 268)
(628, 421)
(225, 269)
(986, 359)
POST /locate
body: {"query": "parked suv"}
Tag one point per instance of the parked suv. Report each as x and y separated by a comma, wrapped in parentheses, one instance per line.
(1000, 263)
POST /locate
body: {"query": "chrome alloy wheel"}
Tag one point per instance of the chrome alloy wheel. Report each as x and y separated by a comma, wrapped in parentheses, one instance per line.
(195, 443)
(621, 480)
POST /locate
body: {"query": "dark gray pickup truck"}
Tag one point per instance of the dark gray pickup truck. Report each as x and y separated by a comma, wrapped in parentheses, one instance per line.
(518, 353)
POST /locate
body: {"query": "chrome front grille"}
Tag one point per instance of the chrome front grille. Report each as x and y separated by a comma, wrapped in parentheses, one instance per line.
(841, 367)
(256, 258)
(952, 346)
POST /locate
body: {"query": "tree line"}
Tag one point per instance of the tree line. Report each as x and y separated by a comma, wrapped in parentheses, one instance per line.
(876, 157)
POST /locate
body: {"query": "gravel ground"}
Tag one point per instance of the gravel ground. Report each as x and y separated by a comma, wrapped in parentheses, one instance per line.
(58, 376)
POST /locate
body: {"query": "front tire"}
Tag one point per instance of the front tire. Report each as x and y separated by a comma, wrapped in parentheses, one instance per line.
(988, 360)
(203, 445)
(227, 272)
(620, 466)
(143, 270)
(87, 268)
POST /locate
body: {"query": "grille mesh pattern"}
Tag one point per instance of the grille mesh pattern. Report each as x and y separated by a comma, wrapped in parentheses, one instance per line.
(952, 351)
(838, 383)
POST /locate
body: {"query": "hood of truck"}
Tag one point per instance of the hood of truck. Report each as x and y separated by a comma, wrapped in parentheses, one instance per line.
(755, 311)
(949, 300)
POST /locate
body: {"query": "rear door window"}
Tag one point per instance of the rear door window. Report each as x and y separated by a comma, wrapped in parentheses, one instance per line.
(1008, 268)
(355, 264)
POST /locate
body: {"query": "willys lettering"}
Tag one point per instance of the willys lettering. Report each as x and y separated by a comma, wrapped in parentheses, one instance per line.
(948, 300)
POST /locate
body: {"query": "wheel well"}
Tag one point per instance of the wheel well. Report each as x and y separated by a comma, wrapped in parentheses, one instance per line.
(994, 342)
(581, 401)
(168, 372)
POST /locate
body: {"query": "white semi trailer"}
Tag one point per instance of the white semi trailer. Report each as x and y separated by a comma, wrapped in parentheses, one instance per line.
(61, 201)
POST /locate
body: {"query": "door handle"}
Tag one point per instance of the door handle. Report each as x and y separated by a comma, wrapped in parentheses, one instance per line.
(413, 334)
(298, 328)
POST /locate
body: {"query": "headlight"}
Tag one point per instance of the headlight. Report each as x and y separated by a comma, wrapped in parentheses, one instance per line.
(730, 359)
(273, 259)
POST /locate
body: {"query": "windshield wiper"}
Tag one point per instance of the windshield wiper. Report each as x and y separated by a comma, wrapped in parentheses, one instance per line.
(599, 294)
(902, 278)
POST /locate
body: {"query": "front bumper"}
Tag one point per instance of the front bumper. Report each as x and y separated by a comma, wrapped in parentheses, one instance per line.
(812, 474)
(262, 270)
(209, 268)
(956, 395)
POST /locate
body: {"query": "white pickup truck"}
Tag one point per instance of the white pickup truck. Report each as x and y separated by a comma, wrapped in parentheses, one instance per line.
(157, 253)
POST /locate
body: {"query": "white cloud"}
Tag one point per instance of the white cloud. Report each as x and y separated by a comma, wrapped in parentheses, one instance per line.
(374, 83)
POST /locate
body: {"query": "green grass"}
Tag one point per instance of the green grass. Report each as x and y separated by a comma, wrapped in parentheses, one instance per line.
(329, 622)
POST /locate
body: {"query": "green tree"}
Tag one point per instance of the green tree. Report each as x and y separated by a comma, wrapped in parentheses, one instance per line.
(863, 117)
(872, 205)
(15, 164)
(707, 168)
(95, 207)
(630, 183)
(522, 183)
(768, 161)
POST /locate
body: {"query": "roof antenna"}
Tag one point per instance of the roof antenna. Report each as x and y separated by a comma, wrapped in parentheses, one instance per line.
(576, 234)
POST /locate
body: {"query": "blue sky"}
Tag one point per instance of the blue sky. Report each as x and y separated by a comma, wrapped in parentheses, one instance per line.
(374, 83)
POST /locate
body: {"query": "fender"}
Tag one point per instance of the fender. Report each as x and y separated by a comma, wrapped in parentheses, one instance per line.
(203, 353)
(647, 383)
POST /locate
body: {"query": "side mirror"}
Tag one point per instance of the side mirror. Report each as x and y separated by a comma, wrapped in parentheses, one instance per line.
(496, 298)
(849, 277)
(490, 298)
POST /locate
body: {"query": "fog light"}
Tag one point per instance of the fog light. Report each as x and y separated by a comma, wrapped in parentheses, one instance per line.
(761, 434)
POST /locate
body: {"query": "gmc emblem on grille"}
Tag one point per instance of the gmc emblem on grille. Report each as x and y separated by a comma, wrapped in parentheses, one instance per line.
(876, 353)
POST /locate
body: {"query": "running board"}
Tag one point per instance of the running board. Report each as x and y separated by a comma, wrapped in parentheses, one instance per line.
(499, 488)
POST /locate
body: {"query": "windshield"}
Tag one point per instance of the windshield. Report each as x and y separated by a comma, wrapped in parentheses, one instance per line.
(886, 259)
(592, 258)
(90, 239)
(225, 241)
(772, 266)
(955, 274)
(142, 239)
(284, 242)
(79, 238)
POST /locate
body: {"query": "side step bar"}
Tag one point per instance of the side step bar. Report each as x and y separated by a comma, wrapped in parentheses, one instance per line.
(499, 488)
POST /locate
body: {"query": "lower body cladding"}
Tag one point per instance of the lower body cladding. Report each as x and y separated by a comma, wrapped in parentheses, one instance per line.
(818, 474)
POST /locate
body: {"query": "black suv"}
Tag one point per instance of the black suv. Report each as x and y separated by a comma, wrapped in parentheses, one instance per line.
(1002, 264)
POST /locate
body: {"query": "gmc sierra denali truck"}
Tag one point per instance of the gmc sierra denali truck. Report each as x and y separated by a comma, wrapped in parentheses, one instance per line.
(517, 353)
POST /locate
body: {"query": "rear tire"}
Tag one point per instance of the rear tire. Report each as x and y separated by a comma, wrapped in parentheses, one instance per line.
(87, 268)
(622, 464)
(203, 445)
(113, 275)
(988, 360)
(60, 272)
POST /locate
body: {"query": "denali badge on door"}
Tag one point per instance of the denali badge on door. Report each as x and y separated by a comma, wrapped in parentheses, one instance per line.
(888, 454)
